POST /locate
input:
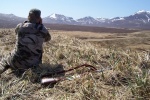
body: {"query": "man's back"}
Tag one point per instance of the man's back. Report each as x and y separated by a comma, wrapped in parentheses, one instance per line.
(28, 50)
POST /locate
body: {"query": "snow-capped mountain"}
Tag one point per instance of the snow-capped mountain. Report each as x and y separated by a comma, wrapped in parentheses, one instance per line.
(117, 19)
(58, 18)
(140, 19)
(103, 20)
(140, 16)
(87, 21)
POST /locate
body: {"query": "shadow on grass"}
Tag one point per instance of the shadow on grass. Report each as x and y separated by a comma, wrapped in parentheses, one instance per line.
(49, 70)
(35, 74)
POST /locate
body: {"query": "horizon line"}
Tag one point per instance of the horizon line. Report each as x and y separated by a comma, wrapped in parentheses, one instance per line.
(81, 17)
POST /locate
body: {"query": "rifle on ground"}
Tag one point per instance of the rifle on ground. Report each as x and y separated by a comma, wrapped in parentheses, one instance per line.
(48, 79)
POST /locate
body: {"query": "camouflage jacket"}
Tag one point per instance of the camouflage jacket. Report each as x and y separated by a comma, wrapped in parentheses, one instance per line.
(28, 50)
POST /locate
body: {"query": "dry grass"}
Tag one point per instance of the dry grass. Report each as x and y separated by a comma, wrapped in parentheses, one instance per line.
(128, 79)
(136, 40)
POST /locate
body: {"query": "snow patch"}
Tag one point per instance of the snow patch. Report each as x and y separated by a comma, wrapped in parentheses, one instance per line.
(120, 18)
(142, 11)
(53, 16)
(143, 21)
(148, 18)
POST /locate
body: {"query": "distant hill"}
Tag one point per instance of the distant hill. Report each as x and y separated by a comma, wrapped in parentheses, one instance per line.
(10, 20)
(88, 28)
(139, 20)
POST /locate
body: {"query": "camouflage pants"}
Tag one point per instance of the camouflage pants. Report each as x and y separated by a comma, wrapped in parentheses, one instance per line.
(17, 63)
(5, 62)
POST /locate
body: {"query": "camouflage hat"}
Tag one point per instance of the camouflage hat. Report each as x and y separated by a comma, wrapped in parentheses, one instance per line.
(36, 12)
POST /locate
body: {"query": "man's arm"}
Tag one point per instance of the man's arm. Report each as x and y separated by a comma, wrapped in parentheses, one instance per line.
(47, 35)
(17, 28)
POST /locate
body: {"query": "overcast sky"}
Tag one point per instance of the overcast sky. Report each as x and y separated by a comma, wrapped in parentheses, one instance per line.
(76, 8)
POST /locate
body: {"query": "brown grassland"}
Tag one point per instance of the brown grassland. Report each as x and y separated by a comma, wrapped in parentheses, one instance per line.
(127, 54)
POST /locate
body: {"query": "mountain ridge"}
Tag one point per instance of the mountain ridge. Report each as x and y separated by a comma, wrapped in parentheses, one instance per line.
(138, 20)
